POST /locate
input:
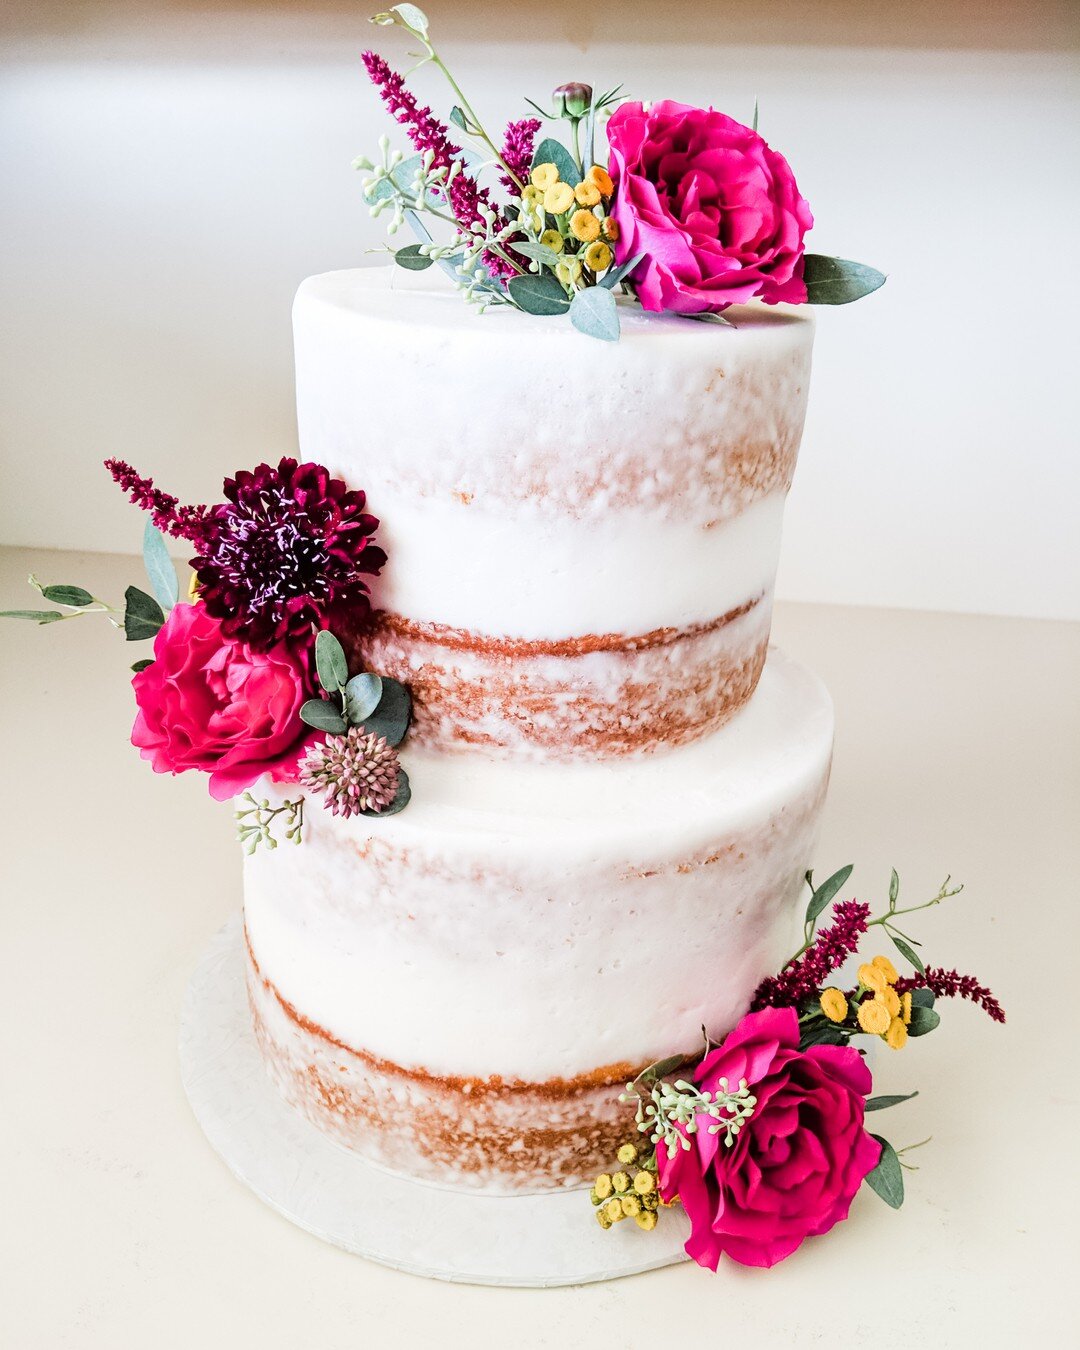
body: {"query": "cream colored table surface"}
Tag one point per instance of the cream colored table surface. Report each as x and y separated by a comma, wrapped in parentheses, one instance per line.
(957, 750)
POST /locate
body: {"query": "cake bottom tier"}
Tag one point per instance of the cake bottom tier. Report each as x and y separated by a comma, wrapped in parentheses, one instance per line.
(461, 991)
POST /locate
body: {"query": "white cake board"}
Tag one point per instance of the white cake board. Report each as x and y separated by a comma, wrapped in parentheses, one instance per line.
(528, 1241)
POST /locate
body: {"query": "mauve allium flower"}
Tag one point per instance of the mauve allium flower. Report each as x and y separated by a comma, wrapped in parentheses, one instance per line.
(714, 209)
(212, 703)
(794, 1167)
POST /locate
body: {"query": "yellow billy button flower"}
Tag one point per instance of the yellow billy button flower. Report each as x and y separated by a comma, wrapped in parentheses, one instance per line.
(601, 179)
(646, 1219)
(627, 1154)
(871, 977)
(621, 1182)
(544, 176)
(602, 1186)
(603, 1220)
(874, 1017)
(558, 198)
(613, 1209)
(609, 229)
(631, 1205)
(905, 1008)
(834, 1005)
(553, 240)
(891, 999)
(897, 1034)
(193, 587)
(569, 272)
(584, 226)
(598, 256)
(532, 196)
(587, 194)
(644, 1183)
(887, 968)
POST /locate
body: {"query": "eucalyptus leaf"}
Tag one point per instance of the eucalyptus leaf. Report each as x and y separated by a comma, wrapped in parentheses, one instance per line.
(887, 1178)
(330, 663)
(391, 718)
(72, 596)
(614, 275)
(826, 892)
(923, 998)
(362, 695)
(143, 616)
(321, 714)
(538, 295)
(159, 566)
(550, 151)
(539, 252)
(401, 799)
(836, 281)
(457, 117)
(595, 313)
(35, 615)
(140, 666)
(412, 17)
(908, 953)
(412, 259)
(923, 1021)
(883, 1103)
(894, 889)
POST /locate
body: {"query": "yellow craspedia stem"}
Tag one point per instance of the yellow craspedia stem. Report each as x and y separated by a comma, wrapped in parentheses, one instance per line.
(598, 256)
(601, 179)
(584, 226)
(874, 1017)
(558, 198)
(613, 1209)
(603, 1220)
(621, 1182)
(532, 196)
(834, 1005)
(644, 1183)
(553, 240)
(631, 1205)
(602, 1186)
(544, 176)
(646, 1219)
(905, 1007)
(627, 1154)
(871, 977)
(887, 968)
(897, 1034)
(587, 194)
(891, 999)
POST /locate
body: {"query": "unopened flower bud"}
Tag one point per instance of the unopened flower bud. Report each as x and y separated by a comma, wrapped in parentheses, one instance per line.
(572, 100)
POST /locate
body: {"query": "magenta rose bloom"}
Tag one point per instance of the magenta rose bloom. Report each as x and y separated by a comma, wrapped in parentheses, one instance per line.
(715, 210)
(211, 702)
(795, 1165)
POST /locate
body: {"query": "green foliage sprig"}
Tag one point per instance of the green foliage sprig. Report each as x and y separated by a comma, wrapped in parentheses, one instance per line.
(255, 822)
(382, 706)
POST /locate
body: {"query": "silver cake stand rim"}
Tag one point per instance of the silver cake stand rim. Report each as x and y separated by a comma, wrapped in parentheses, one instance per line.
(540, 1240)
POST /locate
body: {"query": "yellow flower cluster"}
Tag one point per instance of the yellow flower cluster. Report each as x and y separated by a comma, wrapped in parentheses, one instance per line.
(620, 1195)
(574, 230)
(886, 1013)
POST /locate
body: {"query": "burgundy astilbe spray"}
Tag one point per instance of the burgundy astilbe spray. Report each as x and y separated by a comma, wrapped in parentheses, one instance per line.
(951, 984)
(517, 151)
(182, 522)
(829, 950)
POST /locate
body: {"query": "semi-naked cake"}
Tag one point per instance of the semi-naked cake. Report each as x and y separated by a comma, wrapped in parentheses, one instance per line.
(617, 785)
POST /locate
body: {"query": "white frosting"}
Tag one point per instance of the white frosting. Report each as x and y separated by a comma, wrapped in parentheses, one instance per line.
(539, 921)
(534, 482)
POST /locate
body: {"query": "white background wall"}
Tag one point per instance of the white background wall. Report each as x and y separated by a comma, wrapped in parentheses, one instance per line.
(169, 173)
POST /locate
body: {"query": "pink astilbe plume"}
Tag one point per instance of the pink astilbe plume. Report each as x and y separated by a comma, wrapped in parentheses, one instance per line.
(831, 947)
(517, 151)
(182, 522)
(951, 984)
(427, 133)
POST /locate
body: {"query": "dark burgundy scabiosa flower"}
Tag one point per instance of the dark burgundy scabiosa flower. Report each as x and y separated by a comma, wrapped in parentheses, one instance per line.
(289, 547)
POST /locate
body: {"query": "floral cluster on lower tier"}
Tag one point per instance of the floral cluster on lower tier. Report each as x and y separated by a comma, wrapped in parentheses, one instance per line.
(692, 212)
(247, 680)
(762, 1139)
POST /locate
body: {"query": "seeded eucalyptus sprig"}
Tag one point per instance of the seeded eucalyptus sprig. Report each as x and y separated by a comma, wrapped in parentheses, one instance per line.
(255, 822)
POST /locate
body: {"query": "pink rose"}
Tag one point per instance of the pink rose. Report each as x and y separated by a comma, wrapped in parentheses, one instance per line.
(795, 1165)
(715, 211)
(210, 702)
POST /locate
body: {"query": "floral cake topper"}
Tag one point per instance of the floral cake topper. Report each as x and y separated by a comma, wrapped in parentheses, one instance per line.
(692, 213)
